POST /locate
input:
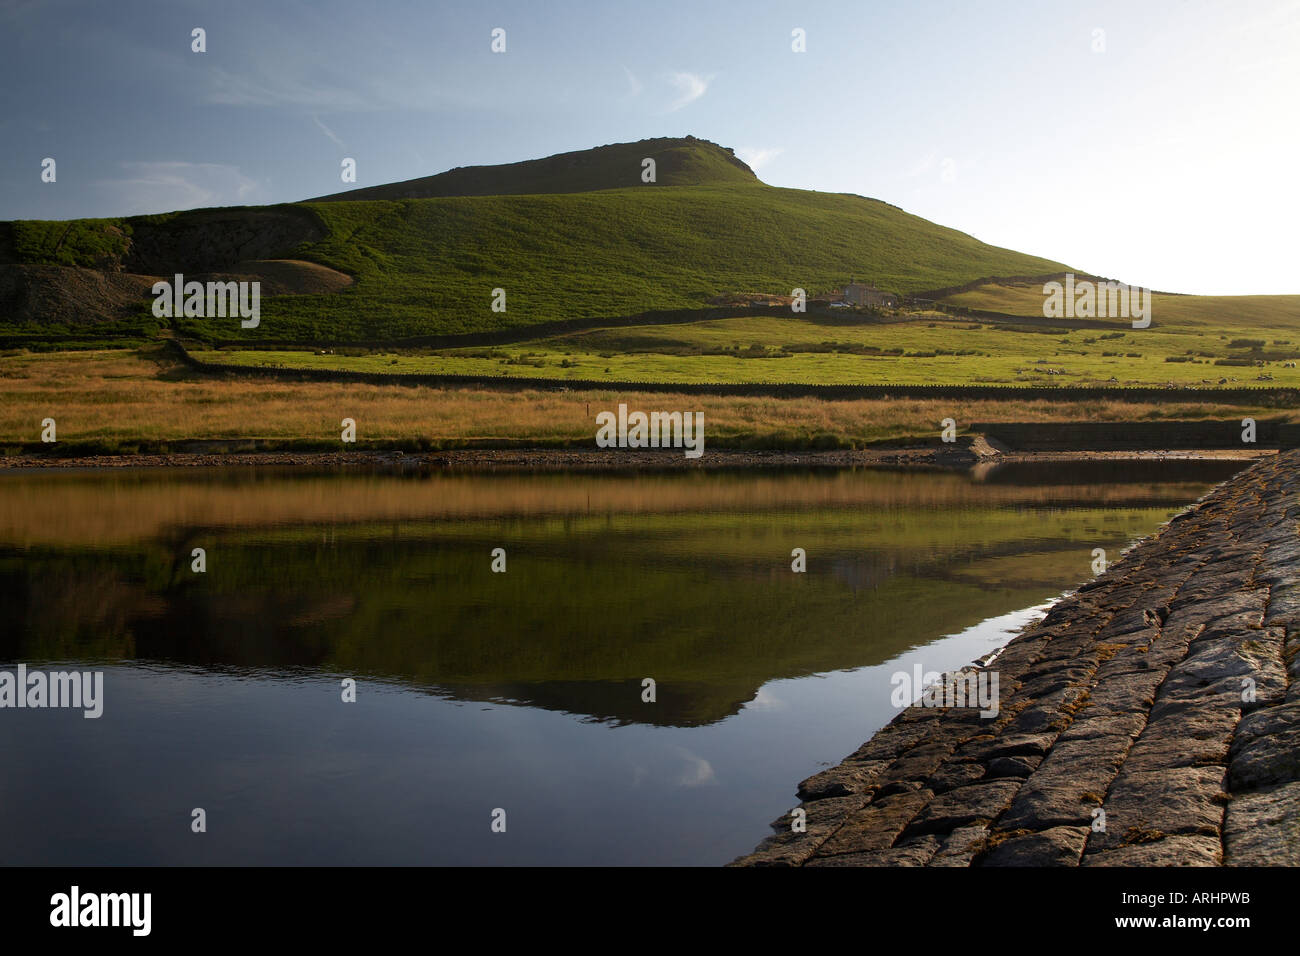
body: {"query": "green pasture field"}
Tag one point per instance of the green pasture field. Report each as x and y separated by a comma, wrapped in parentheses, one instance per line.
(925, 349)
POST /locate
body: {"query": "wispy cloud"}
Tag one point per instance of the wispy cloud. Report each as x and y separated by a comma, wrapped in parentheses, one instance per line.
(634, 85)
(305, 87)
(697, 771)
(690, 87)
(281, 89)
(756, 157)
(923, 165)
(945, 166)
(150, 187)
(327, 131)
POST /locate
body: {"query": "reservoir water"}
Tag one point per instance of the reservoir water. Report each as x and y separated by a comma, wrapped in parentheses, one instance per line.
(523, 691)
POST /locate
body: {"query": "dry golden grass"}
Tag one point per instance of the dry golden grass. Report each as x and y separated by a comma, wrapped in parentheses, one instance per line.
(127, 396)
(114, 507)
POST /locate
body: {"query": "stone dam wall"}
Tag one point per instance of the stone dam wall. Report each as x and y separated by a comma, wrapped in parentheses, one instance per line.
(1151, 718)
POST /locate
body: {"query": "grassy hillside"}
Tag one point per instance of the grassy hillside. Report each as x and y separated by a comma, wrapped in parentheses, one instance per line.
(578, 237)
(1240, 312)
(678, 162)
(428, 266)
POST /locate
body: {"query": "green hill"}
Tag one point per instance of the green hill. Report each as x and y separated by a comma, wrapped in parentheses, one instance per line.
(1244, 313)
(678, 162)
(575, 236)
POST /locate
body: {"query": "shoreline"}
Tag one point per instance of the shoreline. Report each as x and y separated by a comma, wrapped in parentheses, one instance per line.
(1150, 718)
(960, 456)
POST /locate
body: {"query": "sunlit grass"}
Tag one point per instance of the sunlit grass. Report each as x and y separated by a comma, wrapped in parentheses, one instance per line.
(127, 396)
(1239, 314)
(923, 350)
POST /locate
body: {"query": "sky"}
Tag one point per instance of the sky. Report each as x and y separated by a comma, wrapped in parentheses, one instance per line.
(1156, 143)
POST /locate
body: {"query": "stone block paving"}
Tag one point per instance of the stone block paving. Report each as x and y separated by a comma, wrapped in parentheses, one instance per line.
(1151, 718)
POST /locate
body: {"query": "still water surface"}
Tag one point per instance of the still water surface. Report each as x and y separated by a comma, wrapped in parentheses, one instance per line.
(520, 691)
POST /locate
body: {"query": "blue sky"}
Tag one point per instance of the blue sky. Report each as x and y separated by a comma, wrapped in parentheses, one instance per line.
(1165, 155)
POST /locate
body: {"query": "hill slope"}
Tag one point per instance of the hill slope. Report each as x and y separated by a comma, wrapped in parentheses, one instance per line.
(431, 265)
(426, 266)
(678, 162)
(1244, 313)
